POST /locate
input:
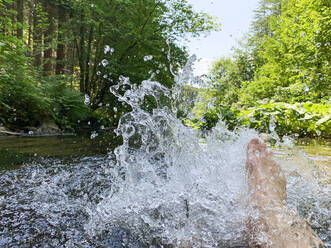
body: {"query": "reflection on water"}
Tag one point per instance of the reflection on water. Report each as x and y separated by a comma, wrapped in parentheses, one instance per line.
(310, 153)
(14, 151)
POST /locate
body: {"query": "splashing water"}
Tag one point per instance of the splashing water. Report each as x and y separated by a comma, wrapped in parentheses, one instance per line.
(169, 187)
(148, 57)
(166, 185)
(87, 99)
(104, 62)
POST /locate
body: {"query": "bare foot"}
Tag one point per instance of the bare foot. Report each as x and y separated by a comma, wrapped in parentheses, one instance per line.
(271, 223)
(266, 181)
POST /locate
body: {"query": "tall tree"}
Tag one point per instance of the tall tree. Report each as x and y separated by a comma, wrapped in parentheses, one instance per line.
(49, 36)
(20, 18)
(61, 46)
(296, 57)
(37, 33)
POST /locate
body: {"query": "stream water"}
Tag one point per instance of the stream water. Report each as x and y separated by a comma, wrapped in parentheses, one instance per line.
(163, 186)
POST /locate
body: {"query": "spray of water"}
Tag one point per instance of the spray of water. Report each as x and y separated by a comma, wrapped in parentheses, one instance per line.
(169, 185)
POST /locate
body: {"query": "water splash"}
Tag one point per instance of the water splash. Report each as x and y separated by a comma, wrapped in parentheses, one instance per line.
(148, 58)
(87, 99)
(170, 187)
(104, 62)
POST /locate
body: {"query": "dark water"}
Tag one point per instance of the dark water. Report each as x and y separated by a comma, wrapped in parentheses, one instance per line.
(46, 183)
(14, 151)
(51, 185)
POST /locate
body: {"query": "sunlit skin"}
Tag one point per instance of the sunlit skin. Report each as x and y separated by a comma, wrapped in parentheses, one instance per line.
(270, 222)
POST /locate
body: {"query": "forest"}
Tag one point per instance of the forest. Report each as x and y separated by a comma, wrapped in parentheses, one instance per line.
(59, 58)
(279, 78)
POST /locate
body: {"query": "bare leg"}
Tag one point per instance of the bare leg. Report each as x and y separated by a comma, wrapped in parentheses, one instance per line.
(271, 223)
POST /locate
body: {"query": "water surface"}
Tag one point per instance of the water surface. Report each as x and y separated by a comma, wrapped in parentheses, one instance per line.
(55, 189)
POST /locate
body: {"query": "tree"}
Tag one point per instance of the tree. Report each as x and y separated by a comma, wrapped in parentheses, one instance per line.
(49, 36)
(20, 18)
(61, 43)
(38, 21)
(133, 29)
(296, 56)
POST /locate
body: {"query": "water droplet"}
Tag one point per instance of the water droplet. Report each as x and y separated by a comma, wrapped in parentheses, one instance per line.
(148, 57)
(191, 116)
(306, 88)
(94, 135)
(87, 99)
(272, 124)
(210, 105)
(107, 49)
(104, 62)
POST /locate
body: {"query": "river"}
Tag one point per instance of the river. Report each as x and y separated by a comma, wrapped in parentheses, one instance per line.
(54, 193)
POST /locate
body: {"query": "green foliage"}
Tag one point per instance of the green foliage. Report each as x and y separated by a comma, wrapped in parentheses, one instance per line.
(69, 37)
(21, 103)
(26, 102)
(296, 57)
(299, 120)
(223, 113)
(229, 75)
(68, 108)
(136, 29)
(287, 77)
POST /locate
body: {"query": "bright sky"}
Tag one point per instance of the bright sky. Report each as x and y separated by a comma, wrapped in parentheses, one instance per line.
(235, 17)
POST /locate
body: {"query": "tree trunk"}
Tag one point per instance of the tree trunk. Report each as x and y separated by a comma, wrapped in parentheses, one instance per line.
(30, 23)
(20, 18)
(37, 36)
(87, 62)
(81, 59)
(60, 50)
(48, 38)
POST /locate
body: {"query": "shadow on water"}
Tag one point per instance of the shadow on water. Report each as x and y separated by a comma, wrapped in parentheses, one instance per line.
(14, 151)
